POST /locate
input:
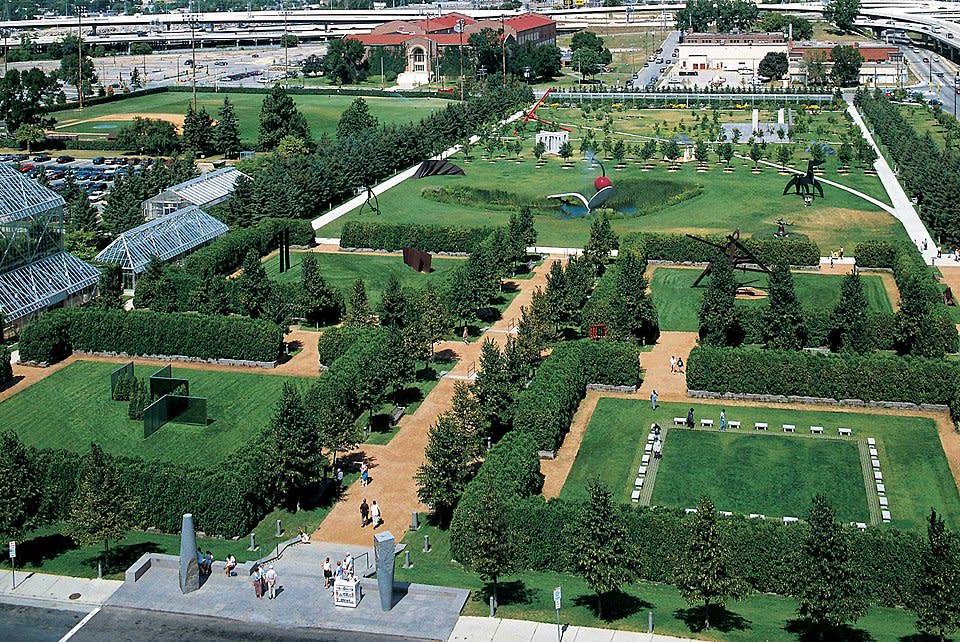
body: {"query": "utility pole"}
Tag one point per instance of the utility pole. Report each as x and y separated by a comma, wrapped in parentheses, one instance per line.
(459, 27)
(193, 18)
(286, 51)
(6, 52)
(956, 91)
(503, 47)
(80, 11)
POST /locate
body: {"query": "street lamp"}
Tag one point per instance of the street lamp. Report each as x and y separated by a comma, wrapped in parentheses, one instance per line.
(458, 27)
(6, 52)
(956, 91)
(193, 19)
(503, 46)
(80, 13)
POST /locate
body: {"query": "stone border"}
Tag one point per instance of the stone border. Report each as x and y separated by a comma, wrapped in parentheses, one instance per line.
(600, 387)
(825, 401)
(370, 250)
(243, 363)
(666, 262)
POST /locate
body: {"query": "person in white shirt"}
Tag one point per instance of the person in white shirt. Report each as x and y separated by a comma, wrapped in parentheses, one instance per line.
(271, 578)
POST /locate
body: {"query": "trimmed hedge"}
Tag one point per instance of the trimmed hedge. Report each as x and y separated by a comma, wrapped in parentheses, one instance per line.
(545, 409)
(54, 335)
(818, 324)
(429, 238)
(875, 254)
(871, 377)
(681, 248)
(225, 255)
(333, 343)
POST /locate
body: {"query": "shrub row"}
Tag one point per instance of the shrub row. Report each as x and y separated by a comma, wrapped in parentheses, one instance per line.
(545, 409)
(680, 248)
(818, 324)
(54, 335)
(326, 91)
(871, 377)
(875, 254)
(333, 343)
(226, 254)
(429, 238)
(6, 370)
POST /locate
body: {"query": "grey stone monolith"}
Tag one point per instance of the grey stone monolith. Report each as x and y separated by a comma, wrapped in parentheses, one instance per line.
(189, 571)
(384, 549)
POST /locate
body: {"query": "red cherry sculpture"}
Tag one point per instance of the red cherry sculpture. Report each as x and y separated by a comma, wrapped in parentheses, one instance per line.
(600, 182)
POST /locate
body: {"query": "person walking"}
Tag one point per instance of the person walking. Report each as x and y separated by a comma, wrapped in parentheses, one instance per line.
(657, 448)
(465, 335)
(841, 251)
(673, 364)
(679, 365)
(327, 573)
(364, 475)
(723, 420)
(271, 578)
(375, 514)
(339, 477)
(255, 579)
(653, 399)
(690, 419)
(364, 512)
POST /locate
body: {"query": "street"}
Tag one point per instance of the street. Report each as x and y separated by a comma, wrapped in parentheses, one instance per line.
(33, 624)
(937, 76)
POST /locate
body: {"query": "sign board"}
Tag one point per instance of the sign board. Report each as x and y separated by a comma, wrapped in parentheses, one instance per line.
(556, 598)
(346, 593)
(13, 550)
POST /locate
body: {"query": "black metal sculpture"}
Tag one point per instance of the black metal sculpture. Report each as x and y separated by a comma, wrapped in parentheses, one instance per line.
(736, 252)
(781, 232)
(805, 184)
(372, 201)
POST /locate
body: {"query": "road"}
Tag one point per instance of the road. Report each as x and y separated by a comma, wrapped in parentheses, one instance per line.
(650, 70)
(937, 76)
(34, 624)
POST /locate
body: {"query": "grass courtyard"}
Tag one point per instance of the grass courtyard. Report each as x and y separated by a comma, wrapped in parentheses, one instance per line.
(321, 111)
(678, 303)
(341, 270)
(72, 408)
(772, 474)
(685, 201)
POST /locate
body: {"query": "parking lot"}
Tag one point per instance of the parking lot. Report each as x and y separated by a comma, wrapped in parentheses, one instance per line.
(94, 176)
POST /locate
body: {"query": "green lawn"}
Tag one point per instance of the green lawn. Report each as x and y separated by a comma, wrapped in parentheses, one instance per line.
(321, 111)
(678, 303)
(729, 468)
(381, 432)
(528, 596)
(72, 408)
(752, 203)
(341, 270)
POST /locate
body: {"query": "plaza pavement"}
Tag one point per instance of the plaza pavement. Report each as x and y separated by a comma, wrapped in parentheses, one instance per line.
(481, 629)
(39, 588)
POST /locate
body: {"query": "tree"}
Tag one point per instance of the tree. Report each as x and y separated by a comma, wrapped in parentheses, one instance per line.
(79, 213)
(632, 313)
(280, 117)
(936, 584)
(755, 154)
(481, 537)
(290, 146)
(358, 310)
(139, 399)
(606, 556)
(845, 154)
(102, 508)
(135, 82)
(726, 151)
(393, 304)
(814, 63)
(603, 240)
(319, 303)
(76, 66)
(29, 135)
(705, 573)
(718, 319)
(818, 154)
(20, 493)
(149, 136)
(776, 21)
(783, 319)
(774, 65)
(356, 119)
(25, 97)
(649, 149)
(434, 316)
(492, 387)
(587, 62)
(289, 40)
(443, 476)
(842, 13)
(593, 42)
(241, 210)
(291, 450)
(345, 62)
(700, 151)
(784, 154)
(312, 65)
(123, 210)
(827, 585)
(226, 133)
(109, 288)
(566, 150)
(846, 65)
(253, 286)
(197, 131)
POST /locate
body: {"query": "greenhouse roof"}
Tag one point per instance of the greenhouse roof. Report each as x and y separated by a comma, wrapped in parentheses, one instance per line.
(43, 283)
(22, 197)
(212, 187)
(164, 237)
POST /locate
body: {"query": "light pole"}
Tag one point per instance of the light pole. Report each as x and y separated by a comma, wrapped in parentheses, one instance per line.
(6, 52)
(193, 19)
(286, 51)
(80, 12)
(956, 91)
(459, 29)
(503, 47)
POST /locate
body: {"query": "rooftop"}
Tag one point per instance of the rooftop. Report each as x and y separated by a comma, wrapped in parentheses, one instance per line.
(208, 188)
(43, 283)
(22, 197)
(165, 237)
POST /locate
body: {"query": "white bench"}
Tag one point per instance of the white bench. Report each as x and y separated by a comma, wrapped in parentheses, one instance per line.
(791, 520)
(651, 438)
(757, 516)
(635, 496)
(642, 470)
(648, 447)
(881, 489)
(704, 423)
(874, 453)
(734, 425)
(871, 441)
(875, 463)
(645, 460)
(689, 511)
(878, 476)
(845, 432)
(726, 513)
(816, 430)
(860, 525)
(886, 516)
(884, 502)
(789, 428)
(679, 421)
(760, 425)
(638, 483)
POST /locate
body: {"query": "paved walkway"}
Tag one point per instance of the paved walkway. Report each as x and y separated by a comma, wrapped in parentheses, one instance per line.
(42, 587)
(393, 466)
(903, 208)
(483, 629)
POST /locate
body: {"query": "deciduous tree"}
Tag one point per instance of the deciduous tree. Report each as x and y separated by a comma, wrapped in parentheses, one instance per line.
(20, 493)
(936, 583)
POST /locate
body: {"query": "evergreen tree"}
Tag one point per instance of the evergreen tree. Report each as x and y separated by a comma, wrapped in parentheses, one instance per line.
(556, 294)
(102, 508)
(705, 573)
(319, 303)
(850, 327)
(393, 304)
(280, 117)
(241, 209)
(466, 413)
(226, 134)
(20, 492)
(253, 286)
(936, 584)
(827, 585)
(138, 398)
(458, 296)
(197, 131)
(358, 310)
(292, 452)
(148, 284)
(482, 273)
(110, 288)
(533, 332)
(783, 319)
(633, 315)
(606, 556)
(6, 369)
(481, 537)
(123, 209)
(356, 119)
(79, 213)
(718, 322)
(492, 386)
(603, 240)
(443, 476)
(212, 296)
(434, 316)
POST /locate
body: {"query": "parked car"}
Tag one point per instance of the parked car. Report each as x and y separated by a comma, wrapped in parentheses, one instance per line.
(41, 158)
(65, 159)
(99, 160)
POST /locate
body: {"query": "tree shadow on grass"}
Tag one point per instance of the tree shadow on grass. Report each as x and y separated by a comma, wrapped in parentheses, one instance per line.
(922, 637)
(121, 556)
(515, 592)
(721, 619)
(33, 552)
(809, 632)
(617, 605)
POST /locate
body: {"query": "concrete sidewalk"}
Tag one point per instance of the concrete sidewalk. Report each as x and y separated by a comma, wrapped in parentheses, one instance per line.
(484, 629)
(32, 587)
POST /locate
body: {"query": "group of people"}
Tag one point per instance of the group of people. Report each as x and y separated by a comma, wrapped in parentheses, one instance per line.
(657, 441)
(344, 570)
(676, 365)
(204, 563)
(264, 582)
(370, 513)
